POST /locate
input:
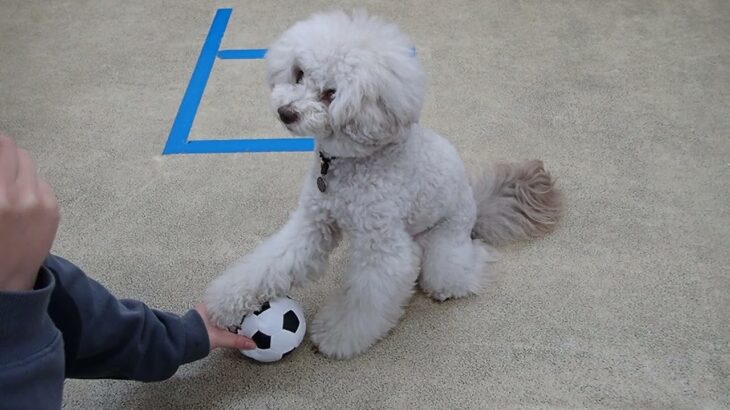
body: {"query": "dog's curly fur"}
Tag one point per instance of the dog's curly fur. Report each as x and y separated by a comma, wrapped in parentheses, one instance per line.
(397, 189)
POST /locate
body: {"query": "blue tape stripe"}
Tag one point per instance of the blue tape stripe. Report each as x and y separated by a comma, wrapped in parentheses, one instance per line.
(245, 145)
(194, 93)
(249, 54)
(177, 141)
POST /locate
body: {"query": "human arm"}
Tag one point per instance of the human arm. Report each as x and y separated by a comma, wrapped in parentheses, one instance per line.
(31, 348)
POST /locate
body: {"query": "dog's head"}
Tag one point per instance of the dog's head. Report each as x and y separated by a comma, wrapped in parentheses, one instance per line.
(352, 82)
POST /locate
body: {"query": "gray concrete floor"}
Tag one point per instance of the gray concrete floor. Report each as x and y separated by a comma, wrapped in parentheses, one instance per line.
(628, 103)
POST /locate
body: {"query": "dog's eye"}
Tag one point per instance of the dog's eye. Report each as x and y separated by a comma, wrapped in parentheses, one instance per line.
(327, 95)
(298, 74)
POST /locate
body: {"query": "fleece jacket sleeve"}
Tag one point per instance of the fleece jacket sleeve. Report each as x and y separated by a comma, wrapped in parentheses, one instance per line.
(122, 339)
(31, 349)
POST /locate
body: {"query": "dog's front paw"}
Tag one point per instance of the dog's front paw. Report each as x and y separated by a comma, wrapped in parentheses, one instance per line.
(228, 302)
(339, 334)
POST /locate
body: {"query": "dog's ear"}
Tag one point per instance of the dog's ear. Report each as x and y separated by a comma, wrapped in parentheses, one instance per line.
(359, 112)
(379, 98)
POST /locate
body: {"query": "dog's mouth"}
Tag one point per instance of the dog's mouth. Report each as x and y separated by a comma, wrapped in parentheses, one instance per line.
(293, 127)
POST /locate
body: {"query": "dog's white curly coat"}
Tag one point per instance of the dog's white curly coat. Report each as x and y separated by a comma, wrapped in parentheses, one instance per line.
(398, 190)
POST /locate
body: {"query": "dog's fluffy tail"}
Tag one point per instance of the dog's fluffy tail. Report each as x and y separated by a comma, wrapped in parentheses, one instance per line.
(517, 201)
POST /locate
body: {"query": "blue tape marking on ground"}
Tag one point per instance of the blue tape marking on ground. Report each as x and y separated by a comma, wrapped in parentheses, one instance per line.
(177, 141)
(250, 54)
(194, 93)
(252, 145)
(255, 54)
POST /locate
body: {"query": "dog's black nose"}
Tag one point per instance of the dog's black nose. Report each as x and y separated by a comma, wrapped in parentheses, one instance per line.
(287, 115)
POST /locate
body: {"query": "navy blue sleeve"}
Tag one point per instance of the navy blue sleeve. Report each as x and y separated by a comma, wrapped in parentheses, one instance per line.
(121, 339)
(31, 349)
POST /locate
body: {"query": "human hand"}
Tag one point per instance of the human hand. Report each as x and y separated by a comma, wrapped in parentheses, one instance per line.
(222, 337)
(29, 218)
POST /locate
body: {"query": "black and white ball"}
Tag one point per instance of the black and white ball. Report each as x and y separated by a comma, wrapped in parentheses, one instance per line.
(277, 328)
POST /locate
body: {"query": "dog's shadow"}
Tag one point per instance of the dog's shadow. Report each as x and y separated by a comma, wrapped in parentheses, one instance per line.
(227, 379)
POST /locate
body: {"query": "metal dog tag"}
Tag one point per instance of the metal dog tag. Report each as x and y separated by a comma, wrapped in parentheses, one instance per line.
(321, 184)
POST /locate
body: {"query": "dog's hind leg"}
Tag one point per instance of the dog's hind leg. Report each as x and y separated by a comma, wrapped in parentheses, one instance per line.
(453, 264)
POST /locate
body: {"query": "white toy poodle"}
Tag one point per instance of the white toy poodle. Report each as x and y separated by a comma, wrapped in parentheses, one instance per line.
(397, 189)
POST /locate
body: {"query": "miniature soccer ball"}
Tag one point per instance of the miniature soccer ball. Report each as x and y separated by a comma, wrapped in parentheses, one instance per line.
(277, 329)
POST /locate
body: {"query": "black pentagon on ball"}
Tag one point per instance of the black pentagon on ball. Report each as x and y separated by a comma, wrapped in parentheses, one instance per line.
(262, 340)
(263, 309)
(291, 321)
